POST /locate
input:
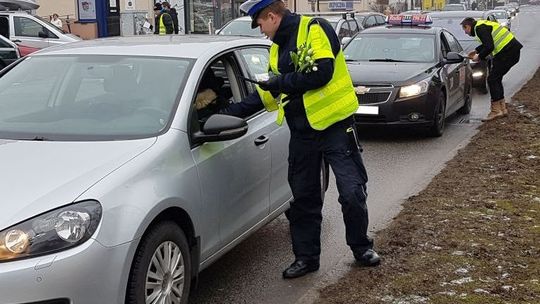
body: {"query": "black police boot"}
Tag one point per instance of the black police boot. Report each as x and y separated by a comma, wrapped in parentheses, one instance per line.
(368, 258)
(300, 268)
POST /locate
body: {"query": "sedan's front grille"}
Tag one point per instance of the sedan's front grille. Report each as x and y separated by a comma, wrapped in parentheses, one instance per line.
(370, 98)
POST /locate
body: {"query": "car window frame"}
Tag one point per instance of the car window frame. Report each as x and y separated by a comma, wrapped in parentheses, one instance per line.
(346, 30)
(370, 17)
(353, 22)
(455, 42)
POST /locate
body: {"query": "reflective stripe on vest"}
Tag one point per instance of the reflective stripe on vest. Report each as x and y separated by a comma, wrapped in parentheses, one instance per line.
(334, 101)
(500, 34)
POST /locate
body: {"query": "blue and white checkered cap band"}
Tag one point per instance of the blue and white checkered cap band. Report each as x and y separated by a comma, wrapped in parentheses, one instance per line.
(252, 7)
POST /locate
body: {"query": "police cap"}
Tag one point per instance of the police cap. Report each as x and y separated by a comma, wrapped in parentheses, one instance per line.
(254, 7)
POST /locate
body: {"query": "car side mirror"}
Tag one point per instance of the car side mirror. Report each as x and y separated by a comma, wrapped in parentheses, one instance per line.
(345, 40)
(453, 57)
(43, 34)
(221, 127)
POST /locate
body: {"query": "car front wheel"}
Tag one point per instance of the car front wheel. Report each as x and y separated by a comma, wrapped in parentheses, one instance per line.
(437, 127)
(161, 269)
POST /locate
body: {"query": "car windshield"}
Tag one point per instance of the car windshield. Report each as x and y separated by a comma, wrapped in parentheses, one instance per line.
(240, 27)
(90, 97)
(391, 48)
(500, 15)
(453, 25)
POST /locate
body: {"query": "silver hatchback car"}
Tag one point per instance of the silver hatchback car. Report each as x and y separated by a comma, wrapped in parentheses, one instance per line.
(113, 183)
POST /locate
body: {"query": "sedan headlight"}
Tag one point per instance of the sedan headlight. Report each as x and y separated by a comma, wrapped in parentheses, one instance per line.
(414, 89)
(50, 232)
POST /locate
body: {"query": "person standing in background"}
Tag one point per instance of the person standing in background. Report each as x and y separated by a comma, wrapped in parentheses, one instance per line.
(174, 15)
(56, 21)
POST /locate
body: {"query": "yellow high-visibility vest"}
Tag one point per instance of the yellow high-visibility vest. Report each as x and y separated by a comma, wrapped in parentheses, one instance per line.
(162, 28)
(500, 34)
(329, 104)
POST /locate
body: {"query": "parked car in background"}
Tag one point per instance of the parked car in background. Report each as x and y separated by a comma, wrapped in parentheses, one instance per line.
(451, 22)
(511, 10)
(454, 7)
(26, 50)
(117, 183)
(346, 24)
(408, 75)
(501, 16)
(240, 27)
(9, 52)
(32, 31)
(370, 19)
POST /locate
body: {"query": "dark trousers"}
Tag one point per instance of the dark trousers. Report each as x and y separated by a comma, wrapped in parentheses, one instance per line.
(502, 63)
(306, 150)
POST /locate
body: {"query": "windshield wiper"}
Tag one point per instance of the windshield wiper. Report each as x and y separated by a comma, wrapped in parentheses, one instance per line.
(387, 60)
(40, 138)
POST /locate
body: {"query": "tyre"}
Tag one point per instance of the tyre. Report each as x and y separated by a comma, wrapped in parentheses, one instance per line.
(161, 268)
(437, 127)
(325, 175)
(466, 108)
(484, 87)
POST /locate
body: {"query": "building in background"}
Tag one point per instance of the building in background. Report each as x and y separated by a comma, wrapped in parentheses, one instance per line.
(102, 18)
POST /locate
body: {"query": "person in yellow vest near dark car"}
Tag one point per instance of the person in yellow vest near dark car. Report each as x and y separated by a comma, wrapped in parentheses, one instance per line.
(163, 23)
(499, 42)
(320, 103)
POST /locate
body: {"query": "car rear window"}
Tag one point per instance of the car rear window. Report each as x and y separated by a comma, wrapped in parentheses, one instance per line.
(90, 97)
(391, 47)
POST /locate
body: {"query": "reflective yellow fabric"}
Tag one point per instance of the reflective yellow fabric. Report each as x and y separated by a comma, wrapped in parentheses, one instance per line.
(324, 106)
(500, 34)
(162, 28)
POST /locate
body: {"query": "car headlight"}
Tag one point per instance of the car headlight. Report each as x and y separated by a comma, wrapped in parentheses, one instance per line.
(416, 89)
(54, 231)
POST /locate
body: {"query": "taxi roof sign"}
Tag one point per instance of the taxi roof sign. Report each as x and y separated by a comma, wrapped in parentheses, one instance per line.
(409, 19)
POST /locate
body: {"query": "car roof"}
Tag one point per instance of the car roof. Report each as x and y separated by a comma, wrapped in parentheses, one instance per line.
(174, 46)
(367, 13)
(457, 14)
(402, 29)
(243, 18)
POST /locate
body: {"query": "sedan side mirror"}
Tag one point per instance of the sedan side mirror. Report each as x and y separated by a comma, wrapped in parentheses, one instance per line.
(43, 34)
(221, 127)
(453, 57)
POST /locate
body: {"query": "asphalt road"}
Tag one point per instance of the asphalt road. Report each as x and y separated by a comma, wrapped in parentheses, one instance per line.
(399, 165)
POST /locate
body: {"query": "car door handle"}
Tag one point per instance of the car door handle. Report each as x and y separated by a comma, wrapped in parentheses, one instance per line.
(16, 41)
(261, 140)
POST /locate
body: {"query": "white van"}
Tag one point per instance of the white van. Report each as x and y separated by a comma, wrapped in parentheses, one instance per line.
(29, 30)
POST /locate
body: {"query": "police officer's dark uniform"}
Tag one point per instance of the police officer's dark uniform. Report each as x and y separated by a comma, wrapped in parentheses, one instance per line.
(312, 139)
(499, 42)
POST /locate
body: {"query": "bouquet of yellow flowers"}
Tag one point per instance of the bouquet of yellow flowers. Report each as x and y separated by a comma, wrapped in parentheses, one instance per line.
(303, 59)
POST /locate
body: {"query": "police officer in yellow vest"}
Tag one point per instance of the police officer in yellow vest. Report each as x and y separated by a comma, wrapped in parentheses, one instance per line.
(319, 115)
(163, 21)
(499, 42)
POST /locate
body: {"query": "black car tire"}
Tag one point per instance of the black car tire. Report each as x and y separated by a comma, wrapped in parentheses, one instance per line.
(325, 175)
(165, 233)
(484, 87)
(439, 117)
(466, 108)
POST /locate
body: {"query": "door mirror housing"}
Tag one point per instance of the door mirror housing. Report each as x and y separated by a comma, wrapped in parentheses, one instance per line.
(453, 57)
(221, 127)
(43, 34)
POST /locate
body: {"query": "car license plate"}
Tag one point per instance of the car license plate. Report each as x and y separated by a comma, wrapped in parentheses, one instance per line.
(370, 110)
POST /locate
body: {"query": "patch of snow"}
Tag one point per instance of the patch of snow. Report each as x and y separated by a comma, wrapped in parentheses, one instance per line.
(436, 247)
(536, 199)
(531, 157)
(461, 271)
(508, 288)
(500, 234)
(505, 275)
(462, 281)
(448, 293)
(458, 252)
(480, 290)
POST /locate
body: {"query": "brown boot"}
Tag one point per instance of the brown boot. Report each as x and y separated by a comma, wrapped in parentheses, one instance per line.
(495, 112)
(504, 110)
